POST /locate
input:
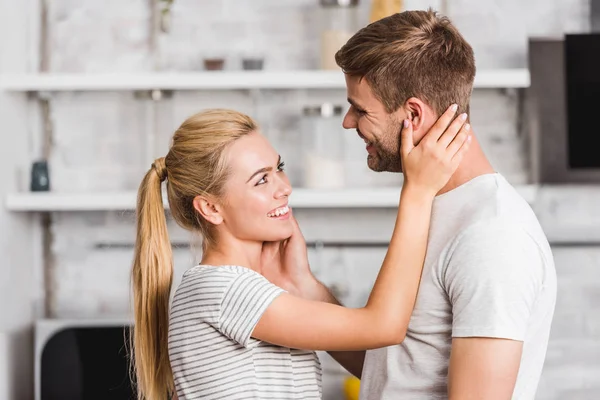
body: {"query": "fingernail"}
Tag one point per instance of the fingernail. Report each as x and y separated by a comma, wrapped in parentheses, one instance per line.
(467, 127)
(463, 116)
(454, 107)
(406, 123)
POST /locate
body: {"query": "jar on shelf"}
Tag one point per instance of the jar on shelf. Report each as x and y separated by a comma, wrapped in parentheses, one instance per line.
(384, 8)
(339, 21)
(323, 147)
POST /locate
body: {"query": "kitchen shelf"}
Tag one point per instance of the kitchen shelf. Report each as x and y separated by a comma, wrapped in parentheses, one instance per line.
(301, 198)
(220, 80)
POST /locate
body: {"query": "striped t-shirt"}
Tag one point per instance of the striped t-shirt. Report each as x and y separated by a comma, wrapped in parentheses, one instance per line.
(212, 353)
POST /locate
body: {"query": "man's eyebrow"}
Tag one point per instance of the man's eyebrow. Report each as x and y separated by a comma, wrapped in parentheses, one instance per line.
(354, 104)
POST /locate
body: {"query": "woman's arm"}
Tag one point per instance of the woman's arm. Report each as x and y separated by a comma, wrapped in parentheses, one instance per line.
(300, 323)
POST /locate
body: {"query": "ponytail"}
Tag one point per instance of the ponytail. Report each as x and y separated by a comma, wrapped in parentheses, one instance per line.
(152, 275)
(195, 166)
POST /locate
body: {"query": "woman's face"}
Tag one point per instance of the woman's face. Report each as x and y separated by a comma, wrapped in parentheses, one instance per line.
(255, 206)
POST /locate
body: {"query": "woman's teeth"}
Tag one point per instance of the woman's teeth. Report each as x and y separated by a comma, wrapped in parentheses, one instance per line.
(279, 212)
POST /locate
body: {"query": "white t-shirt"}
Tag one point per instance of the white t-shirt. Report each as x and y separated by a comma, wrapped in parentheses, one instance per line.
(212, 353)
(489, 272)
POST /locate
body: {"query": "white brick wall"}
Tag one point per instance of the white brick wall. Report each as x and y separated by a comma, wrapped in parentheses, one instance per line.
(106, 141)
(572, 369)
(98, 36)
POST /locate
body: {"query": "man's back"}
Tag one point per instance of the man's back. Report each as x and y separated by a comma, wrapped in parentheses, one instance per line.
(489, 272)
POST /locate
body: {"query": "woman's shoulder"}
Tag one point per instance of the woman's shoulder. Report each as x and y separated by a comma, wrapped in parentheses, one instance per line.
(204, 271)
(209, 280)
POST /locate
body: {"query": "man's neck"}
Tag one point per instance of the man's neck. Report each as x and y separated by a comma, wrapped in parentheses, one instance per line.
(473, 164)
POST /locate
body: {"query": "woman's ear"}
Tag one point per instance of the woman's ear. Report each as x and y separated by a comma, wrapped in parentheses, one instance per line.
(208, 209)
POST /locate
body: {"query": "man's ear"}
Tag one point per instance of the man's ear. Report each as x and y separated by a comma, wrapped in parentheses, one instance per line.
(416, 112)
(208, 209)
(421, 116)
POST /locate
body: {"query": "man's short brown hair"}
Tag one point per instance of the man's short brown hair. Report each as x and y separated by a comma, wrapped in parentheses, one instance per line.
(412, 54)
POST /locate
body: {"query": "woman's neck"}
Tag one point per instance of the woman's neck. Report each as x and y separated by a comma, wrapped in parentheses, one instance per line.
(234, 252)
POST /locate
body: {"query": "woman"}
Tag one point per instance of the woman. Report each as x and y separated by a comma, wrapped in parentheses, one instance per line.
(231, 333)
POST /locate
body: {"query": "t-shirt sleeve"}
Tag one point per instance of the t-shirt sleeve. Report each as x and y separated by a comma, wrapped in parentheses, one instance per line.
(243, 303)
(493, 278)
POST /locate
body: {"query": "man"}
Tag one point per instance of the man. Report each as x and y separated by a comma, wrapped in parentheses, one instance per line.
(486, 300)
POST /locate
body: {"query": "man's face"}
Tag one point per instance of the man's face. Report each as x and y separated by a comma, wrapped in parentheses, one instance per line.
(379, 129)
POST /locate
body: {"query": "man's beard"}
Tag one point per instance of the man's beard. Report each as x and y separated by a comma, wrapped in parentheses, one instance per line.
(387, 157)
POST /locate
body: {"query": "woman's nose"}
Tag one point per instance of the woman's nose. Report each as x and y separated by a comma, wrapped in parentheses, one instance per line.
(284, 189)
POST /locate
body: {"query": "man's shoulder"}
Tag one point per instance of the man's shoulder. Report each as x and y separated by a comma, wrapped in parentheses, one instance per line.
(492, 249)
(500, 212)
(483, 199)
(497, 233)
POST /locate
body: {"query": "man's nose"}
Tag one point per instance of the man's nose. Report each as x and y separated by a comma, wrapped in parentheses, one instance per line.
(349, 121)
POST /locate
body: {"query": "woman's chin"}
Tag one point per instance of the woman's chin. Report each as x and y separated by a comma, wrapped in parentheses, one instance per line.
(282, 233)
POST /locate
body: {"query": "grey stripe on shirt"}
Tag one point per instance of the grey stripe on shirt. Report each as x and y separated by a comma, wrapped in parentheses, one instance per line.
(212, 353)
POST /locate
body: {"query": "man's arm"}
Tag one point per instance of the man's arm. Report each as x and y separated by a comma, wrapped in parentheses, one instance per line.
(493, 280)
(353, 361)
(483, 368)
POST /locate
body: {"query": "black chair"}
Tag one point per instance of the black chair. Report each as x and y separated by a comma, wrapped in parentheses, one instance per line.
(84, 363)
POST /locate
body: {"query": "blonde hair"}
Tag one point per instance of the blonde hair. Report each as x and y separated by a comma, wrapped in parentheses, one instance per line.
(193, 166)
(412, 54)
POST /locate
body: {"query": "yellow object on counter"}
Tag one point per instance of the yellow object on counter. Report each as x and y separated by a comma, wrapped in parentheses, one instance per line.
(351, 388)
(384, 8)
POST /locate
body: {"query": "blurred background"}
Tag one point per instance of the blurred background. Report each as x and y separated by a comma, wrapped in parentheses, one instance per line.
(91, 92)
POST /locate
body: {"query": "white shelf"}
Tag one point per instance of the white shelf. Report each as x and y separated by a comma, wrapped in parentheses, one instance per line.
(301, 198)
(220, 80)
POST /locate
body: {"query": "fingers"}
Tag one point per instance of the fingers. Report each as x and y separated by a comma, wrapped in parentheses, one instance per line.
(461, 151)
(296, 227)
(406, 138)
(268, 245)
(458, 139)
(268, 251)
(441, 124)
(453, 130)
(293, 219)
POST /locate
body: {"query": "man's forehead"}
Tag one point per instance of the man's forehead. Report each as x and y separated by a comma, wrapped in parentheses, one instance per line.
(355, 82)
(359, 93)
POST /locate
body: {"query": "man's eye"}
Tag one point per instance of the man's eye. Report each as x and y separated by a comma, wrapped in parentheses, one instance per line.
(281, 166)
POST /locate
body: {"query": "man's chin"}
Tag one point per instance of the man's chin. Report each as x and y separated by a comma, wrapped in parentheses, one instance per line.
(378, 165)
(374, 163)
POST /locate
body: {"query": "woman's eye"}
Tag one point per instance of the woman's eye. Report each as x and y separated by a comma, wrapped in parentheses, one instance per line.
(262, 180)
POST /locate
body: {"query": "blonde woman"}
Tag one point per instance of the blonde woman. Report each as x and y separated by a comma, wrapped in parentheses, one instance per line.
(230, 332)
